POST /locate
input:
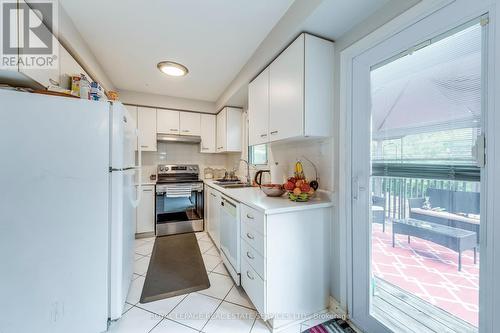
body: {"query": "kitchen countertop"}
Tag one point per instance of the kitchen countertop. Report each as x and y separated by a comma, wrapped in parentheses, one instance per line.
(255, 198)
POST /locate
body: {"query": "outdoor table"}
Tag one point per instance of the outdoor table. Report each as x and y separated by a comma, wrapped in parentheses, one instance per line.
(455, 239)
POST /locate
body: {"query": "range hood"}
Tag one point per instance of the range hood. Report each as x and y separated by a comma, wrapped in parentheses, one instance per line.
(178, 138)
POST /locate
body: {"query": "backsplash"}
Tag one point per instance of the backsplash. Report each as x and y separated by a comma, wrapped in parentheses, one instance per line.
(317, 150)
(183, 153)
(287, 154)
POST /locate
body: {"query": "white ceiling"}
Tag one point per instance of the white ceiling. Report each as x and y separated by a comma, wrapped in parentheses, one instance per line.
(214, 39)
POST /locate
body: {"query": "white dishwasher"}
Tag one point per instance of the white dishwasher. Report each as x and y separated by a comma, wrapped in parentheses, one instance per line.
(230, 236)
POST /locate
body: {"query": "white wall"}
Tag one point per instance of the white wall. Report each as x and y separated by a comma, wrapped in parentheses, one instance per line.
(71, 39)
(164, 101)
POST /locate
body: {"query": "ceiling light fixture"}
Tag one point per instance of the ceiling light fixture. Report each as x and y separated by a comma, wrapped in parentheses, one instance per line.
(172, 68)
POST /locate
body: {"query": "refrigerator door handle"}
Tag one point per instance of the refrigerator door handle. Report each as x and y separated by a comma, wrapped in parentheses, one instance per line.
(138, 168)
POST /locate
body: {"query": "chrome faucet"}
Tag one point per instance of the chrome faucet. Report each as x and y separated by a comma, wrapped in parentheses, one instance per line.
(249, 182)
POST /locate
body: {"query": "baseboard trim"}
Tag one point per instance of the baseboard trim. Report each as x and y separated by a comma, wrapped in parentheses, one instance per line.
(337, 309)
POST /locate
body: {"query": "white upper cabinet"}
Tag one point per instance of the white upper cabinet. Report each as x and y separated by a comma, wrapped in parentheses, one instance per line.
(286, 92)
(65, 64)
(189, 123)
(168, 122)
(300, 93)
(43, 76)
(258, 106)
(221, 131)
(208, 133)
(146, 123)
(229, 130)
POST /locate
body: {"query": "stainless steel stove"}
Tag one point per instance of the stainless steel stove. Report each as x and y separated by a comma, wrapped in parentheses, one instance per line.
(179, 199)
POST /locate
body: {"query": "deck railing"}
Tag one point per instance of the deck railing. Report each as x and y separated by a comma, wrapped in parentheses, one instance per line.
(397, 191)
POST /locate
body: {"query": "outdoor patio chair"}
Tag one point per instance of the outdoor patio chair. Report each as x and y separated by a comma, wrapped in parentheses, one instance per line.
(378, 211)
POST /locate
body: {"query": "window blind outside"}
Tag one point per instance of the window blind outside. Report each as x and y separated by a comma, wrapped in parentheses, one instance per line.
(427, 171)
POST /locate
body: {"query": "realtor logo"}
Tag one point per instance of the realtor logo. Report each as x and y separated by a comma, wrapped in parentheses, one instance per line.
(27, 34)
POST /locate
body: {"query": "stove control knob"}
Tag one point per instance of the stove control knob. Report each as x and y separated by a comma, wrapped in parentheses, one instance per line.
(162, 169)
(166, 168)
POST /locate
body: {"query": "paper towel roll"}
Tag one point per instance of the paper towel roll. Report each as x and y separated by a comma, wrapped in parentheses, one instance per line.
(277, 174)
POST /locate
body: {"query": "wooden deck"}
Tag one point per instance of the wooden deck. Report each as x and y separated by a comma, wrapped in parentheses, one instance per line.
(403, 312)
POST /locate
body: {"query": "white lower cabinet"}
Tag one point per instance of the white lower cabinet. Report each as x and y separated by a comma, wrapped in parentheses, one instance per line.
(284, 262)
(254, 286)
(146, 211)
(213, 215)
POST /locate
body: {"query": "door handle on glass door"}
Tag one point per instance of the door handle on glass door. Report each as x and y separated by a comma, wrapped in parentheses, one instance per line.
(250, 236)
(356, 188)
(250, 256)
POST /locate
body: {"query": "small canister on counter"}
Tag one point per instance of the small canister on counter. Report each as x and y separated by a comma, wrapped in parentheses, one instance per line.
(208, 173)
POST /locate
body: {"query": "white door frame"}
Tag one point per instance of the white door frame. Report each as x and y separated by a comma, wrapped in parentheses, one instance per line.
(463, 10)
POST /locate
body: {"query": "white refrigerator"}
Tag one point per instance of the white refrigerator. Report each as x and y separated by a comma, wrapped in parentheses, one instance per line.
(67, 198)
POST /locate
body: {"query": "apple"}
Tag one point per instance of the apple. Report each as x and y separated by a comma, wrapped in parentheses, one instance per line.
(304, 187)
(289, 186)
(297, 191)
(292, 179)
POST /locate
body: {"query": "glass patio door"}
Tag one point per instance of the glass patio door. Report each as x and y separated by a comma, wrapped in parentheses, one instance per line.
(416, 169)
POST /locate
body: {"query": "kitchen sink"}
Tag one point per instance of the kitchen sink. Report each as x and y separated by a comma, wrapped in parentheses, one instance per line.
(242, 185)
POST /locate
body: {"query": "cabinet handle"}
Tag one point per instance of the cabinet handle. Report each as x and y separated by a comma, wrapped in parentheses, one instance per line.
(185, 131)
(220, 147)
(144, 146)
(250, 217)
(250, 256)
(263, 135)
(274, 132)
(147, 190)
(250, 276)
(204, 148)
(213, 195)
(174, 129)
(250, 236)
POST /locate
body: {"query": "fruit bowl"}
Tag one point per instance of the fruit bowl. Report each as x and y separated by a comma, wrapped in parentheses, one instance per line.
(298, 190)
(303, 197)
(273, 190)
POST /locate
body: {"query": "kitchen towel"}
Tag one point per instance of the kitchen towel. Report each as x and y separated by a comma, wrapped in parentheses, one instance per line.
(178, 191)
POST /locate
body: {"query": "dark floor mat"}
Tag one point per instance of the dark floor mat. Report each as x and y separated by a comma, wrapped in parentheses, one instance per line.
(176, 267)
(334, 325)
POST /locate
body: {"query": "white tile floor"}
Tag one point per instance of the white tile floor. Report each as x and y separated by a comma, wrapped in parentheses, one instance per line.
(223, 307)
